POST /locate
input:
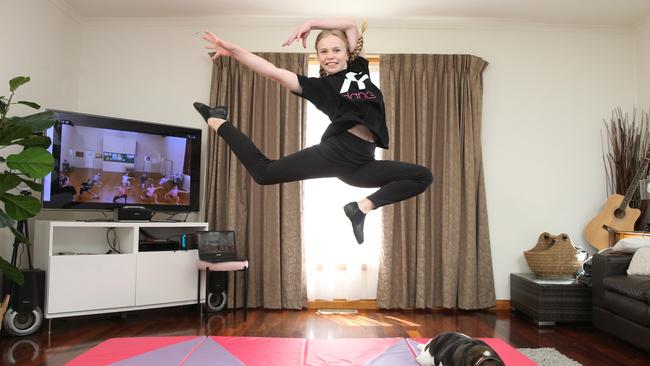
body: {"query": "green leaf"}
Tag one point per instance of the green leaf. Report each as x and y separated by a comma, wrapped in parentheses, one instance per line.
(9, 134)
(29, 104)
(20, 207)
(36, 162)
(6, 221)
(3, 107)
(17, 82)
(8, 181)
(37, 122)
(11, 272)
(35, 141)
(33, 185)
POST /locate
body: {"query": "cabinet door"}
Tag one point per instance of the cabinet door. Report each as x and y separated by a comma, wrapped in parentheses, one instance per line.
(90, 282)
(166, 277)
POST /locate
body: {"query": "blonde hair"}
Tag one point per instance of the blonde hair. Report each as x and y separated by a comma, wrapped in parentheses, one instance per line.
(341, 34)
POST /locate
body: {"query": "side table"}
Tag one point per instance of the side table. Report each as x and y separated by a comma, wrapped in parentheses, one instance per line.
(548, 300)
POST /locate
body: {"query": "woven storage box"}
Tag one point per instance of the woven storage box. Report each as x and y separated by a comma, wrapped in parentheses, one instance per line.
(553, 256)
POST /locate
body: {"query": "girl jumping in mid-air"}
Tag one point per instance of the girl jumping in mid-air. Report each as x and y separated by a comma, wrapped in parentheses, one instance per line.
(345, 93)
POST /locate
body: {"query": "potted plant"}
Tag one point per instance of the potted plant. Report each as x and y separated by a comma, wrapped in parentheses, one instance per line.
(628, 139)
(22, 170)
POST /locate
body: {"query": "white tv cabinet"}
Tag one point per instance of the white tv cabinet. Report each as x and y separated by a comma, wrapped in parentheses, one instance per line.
(82, 279)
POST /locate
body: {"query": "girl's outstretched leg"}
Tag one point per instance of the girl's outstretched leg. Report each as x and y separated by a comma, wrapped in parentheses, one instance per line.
(398, 181)
(305, 164)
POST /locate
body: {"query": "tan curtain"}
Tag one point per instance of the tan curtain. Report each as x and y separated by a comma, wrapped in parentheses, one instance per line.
(266, 219)
(436, 249)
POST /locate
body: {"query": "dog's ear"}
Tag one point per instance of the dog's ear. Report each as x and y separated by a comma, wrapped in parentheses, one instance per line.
(425, 358)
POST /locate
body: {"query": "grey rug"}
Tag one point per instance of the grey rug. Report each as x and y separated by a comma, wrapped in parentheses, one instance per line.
(548, 357)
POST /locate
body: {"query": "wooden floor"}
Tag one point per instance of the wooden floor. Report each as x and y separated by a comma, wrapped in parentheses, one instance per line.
(72, 336)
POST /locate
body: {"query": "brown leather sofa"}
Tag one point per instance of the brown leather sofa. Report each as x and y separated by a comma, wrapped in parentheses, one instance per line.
(621, 303)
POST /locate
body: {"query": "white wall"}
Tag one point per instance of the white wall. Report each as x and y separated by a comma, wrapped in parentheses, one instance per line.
(643, 64)
(175, 151)
(547, 91)
(79, 139)
(38, 40)
(41, 41)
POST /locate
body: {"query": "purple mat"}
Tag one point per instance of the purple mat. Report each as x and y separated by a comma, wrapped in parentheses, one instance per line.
(171, 355)
(399, 353)
(212, 353)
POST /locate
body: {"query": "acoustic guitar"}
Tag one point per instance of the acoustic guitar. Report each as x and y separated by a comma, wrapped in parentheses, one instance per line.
(616, 213)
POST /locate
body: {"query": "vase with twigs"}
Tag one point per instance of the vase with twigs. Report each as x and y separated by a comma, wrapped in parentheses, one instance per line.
(624, 154)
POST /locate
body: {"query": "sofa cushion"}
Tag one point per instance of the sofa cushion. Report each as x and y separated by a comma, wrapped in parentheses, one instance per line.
(631, 244)
(627, 307)
(634, 286)
(640, 263)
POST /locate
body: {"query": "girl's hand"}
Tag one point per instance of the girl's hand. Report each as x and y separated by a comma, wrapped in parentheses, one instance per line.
(301, 33)
(218, 45)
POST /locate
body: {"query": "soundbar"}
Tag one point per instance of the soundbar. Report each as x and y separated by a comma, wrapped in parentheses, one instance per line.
(132, 213)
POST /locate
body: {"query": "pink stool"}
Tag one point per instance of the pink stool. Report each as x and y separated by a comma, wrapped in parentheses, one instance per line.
(235, 266)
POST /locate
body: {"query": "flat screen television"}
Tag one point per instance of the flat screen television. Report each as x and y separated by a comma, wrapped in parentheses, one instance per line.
(102, 163)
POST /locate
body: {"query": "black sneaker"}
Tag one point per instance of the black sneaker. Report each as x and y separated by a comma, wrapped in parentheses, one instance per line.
(357, 218)
(207, 112)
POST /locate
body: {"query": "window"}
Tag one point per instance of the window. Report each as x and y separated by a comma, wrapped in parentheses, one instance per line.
(337, 267)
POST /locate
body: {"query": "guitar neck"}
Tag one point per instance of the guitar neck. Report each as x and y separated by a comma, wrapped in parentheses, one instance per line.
(633, 185)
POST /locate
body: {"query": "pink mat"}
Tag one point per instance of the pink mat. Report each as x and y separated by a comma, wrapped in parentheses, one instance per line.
(266, 351)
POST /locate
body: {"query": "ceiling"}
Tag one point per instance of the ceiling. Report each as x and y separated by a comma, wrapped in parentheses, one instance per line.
(581, 12)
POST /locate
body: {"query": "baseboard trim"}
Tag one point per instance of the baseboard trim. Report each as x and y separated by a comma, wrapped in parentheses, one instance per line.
(342, 304)
(372, 304)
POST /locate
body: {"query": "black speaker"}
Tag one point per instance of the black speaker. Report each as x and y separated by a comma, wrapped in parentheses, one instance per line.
(24, 315)
(132, 213)
(216, 297)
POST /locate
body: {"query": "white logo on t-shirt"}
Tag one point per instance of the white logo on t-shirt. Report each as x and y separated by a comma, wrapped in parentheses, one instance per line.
(349, 78)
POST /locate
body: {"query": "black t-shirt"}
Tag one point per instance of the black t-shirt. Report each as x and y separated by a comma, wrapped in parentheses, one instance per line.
(348, 98)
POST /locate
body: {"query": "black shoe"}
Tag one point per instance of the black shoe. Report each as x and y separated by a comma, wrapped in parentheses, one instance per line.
(207, 112)
(357, 218)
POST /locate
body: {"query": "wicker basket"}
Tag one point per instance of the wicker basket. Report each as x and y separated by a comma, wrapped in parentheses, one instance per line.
(553, 256)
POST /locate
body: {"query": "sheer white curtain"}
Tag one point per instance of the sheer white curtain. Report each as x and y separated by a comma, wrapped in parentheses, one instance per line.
(337, 267)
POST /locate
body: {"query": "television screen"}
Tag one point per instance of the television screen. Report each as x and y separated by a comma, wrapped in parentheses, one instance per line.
(106, 162)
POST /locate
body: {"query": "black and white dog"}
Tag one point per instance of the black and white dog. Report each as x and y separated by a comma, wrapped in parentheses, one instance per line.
(457, 349)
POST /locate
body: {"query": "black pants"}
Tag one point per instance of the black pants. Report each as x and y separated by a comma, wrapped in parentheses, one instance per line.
(346, 157)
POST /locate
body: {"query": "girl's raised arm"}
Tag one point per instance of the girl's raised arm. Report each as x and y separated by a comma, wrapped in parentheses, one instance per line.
(284, 77)
(347, 25)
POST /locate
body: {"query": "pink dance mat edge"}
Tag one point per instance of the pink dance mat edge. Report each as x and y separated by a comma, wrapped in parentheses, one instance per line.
(268, 351)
